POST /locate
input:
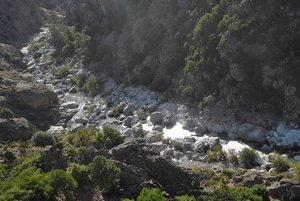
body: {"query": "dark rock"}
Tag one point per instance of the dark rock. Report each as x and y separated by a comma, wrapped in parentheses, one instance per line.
(136, 153)
(53, 158)
(253, 180)
(285, 190)
(37, 54)
(16, 129)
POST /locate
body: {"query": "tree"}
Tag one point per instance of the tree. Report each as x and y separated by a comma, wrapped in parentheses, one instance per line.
(104, 173)
(42, 139)
(151, 195)
(80, 173)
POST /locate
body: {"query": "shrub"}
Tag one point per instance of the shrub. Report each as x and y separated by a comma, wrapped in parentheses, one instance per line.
(91, 84)
(34, 46)
(6, 113)
(158, 138)
(296, 168)
(104, 173)
(178, 146)
(9, 155)
(63, 184)
(227, 172)
(80, 173)
(151, 195)
(62, 71)
(73, 151)
(217, 154)
(280, 163)
(42, 139)
(185, 198)
(108, 137)
(82, 137)
(232, 156)
(247, 157)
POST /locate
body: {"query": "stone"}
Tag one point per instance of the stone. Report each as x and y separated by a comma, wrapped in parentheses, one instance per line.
(75, 127)
(201, 147)
(252, 133)
(157, 128)
(73, 90)
(152, 108)
(37, 54)
(253, 180)
(169, 120)
(55, 130)
(129, 121)
(156, 117)
(141, 114)
(93, 119)
(129, 109)
(291, 139)
(53, 158)
(137, 130)
(127, 132)
(70, 105)
(81, 120)
(286, 190)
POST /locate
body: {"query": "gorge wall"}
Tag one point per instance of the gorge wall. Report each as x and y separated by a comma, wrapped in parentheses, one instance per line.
(242, 54)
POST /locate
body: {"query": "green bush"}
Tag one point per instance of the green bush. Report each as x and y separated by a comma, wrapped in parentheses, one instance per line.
(232, 156)
(247, 157)
(178, 146)
(227, 172)
(109, 137)
(63, 184)
(34, 46)
(62, 71)
(104, 173)
(280, 163)
(217, 154)
(185, 198)
(296, 168)
(151, 195)
(82, 137)
(9, 155)
(91, 84)
(42, 139)
(73, 151)
(80, 173)
(6, 113)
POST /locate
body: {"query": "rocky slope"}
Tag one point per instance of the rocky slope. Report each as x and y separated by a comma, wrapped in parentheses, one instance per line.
(18, 20)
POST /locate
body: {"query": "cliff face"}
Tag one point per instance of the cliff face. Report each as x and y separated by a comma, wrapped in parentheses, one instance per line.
(242, 53)
(19, 19)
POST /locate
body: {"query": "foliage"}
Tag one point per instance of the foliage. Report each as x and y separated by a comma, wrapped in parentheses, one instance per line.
(208, 100)
(185, 198)
(42, 139)
(232, 156)
(80, 173)
(34, 46)
(46, 57)
(158, 138)
(224, 192)
(9, 155)
(62, 71)
(151, 195)
(6, 113)
(62, 183)
(82, 137)
(9, 56)
(91, 84)
(73, 151)
(104, 173)
(280, 163)
(217, 154)
(247, 157)
(296, 168)
(109, 137)
(178, 146)
(227, 172)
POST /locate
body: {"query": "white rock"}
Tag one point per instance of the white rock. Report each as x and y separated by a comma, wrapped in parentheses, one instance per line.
(251, 132)
(71, 105)
(291, 139)
(156, 117)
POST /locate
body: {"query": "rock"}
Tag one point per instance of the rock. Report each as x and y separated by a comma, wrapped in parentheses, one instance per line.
(156, 117)
(129, 109)
(52, 158)
(129, 121)
(16, 129)
(266, 148)
(73, 90)
(127, 132)
(157, 128)
(110, 113)
(178, 154)
(252, 133)
(291, 139)
(37, 54)
(76, 127)
(169, 120)
(141, 114)
(152, 108)
(213, 142)
(93, 119)
(81, 120)
(137, 130)
(70, 105)
(55, 130)
(286, 190)
(201, 147)
(253, 180)
(138, 154)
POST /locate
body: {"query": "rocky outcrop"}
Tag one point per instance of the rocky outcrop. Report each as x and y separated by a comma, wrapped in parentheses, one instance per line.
(141, 162)
(35, 102)
(19, 19)
(285, 190)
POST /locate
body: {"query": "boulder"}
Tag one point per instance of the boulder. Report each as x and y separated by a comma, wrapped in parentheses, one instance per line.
(291, 139)
(70, 105)
(285, 190)
(37, 54)
(157, 128)
(141, 114)
(169, 120)
(129, 121)
(53, 158)
(156, 117)
(16, 129)
(251, 132)
(129, 109)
